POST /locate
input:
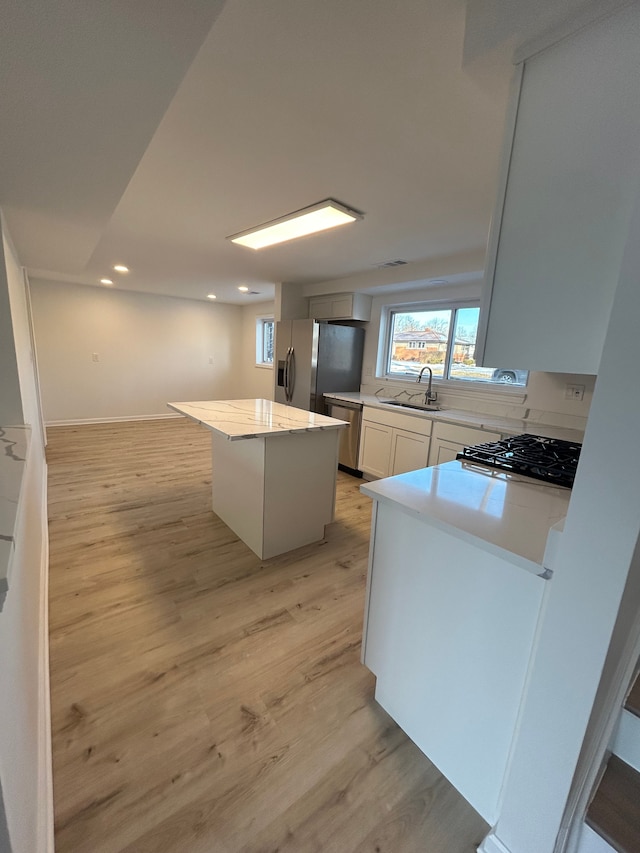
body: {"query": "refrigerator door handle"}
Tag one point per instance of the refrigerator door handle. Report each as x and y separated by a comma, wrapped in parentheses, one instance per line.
(287, 368)
(285, 372)
(292, 373)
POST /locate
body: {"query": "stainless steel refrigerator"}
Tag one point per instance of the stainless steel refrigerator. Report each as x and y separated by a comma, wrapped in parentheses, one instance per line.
(313, 358)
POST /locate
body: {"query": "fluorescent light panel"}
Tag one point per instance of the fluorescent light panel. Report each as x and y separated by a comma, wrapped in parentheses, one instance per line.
(318, 217)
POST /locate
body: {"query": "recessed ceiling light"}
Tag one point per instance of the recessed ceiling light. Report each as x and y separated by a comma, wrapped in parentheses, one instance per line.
(243, 289)
(105, 281)
(211, 296)
(318, 217)
(121, 268)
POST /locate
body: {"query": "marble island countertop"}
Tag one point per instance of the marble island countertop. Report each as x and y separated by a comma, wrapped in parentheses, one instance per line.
(243, 419)
(462, 417)
(14, 443)
(506, 514)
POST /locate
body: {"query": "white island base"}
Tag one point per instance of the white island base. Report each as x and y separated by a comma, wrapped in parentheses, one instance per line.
(274, 470)
(276, 493)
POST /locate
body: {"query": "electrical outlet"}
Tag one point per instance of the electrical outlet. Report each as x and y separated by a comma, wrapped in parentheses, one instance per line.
(95, 357)
(368, 371)
(210, 359)
(574, 392)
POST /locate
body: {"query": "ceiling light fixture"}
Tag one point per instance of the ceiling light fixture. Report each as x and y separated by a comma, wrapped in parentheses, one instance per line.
(211, 296)
(243, 289)
(105, 281)
(121, 268)
(318, 217)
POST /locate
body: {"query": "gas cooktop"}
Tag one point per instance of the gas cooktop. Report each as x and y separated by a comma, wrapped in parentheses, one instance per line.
(548, 459)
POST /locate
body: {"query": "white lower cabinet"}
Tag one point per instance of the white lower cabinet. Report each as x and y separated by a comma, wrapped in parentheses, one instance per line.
(375, 449)
(448, 440)
(409, 451)
(393, 443)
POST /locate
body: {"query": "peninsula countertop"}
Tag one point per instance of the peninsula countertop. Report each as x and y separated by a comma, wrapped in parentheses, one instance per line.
(243, 419)
(506, 514)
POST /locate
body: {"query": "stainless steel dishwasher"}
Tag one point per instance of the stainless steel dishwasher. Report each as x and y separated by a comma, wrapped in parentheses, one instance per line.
(350, 437)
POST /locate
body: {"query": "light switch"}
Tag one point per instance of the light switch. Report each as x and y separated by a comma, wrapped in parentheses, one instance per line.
(95, 357)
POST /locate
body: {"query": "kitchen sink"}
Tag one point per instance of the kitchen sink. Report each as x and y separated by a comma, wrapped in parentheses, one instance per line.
(417, 406)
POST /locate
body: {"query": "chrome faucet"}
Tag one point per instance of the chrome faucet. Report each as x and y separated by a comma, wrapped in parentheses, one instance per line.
(430, 396)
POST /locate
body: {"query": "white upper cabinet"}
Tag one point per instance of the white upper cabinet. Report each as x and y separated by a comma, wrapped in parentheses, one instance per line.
(570, 177)
(340, 306)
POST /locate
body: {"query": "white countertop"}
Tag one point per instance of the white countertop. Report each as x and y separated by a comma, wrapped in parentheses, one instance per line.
(503, 513)
(14, 443)
(240, 419)
(493, 423)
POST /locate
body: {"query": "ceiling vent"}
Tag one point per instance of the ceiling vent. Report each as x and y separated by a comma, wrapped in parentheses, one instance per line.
(387, 264)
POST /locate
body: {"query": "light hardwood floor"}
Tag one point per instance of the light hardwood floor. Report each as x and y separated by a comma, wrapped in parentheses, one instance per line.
(205, 701)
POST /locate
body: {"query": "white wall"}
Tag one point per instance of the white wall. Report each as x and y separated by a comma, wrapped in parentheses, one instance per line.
(25, 357)
(256, 381)
(151, 350)
(25, 769)
(11, 413)
(24, 660)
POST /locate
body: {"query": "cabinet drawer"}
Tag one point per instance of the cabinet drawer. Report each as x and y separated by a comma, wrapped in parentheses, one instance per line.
(420, 424)
(465, 436)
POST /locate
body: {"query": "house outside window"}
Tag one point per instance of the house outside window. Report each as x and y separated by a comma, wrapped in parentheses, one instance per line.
(444, 339)
(265, 329)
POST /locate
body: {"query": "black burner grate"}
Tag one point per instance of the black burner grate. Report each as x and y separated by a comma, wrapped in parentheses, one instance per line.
(548, 459)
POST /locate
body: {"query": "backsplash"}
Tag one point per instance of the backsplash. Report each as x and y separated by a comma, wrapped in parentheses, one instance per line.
(542, 401)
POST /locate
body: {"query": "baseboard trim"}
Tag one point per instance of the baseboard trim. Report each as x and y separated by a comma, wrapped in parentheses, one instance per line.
(122, 419)
(45, 764)
(492, 844)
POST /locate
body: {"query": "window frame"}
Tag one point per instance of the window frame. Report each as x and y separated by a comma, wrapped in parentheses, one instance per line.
(446, 381)
(261, 322)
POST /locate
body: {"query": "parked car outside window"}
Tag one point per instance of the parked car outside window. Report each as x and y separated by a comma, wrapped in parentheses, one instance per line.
(510, 377)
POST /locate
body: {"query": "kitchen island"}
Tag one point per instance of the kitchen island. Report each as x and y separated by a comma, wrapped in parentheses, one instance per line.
(274, 470)
(460, 558)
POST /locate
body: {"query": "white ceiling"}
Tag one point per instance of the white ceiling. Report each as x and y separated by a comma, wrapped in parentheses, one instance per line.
(145, 133)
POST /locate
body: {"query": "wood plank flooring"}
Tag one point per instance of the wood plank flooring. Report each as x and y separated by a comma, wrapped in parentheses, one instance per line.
(614, 812)
(203, 700)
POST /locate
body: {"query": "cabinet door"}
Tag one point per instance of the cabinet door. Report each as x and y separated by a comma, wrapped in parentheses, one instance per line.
(449, 439)
(375, 449)
(341, 306)
(409, 451)
(555, 253)
(450, 649)
(443, 451)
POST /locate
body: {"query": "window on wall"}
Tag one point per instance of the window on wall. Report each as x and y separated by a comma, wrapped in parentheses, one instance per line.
(264, 341)
(443, 339)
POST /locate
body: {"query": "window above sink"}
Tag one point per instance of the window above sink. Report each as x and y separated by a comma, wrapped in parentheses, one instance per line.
(443, 338)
